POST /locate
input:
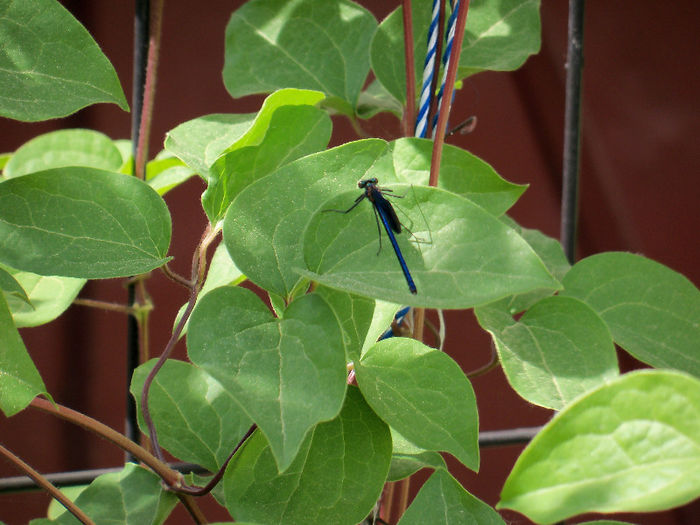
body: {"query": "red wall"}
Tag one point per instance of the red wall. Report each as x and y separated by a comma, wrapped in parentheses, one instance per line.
(639, 192)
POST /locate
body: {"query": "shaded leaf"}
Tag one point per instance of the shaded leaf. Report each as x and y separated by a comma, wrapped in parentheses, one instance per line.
(336, 479)
(652, 311)
(12, 289)
(82, 222)
(558, 349)
(196, 418)
(50, 66)
(19, 379)
(407, 458)
(442, 500)
(632, 445)
(287, 374)
(424, 395)
(307, 44)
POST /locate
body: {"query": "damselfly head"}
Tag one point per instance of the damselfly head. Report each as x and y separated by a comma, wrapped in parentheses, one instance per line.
(365, 182)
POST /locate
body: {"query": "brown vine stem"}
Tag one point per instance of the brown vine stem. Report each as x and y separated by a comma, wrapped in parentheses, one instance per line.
(198, 271)
(409, 114)
(439, 133)
(104, 305)
(44, 483)
(170, 477)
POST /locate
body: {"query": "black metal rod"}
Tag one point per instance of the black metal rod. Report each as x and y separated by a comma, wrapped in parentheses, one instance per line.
(141, 35)
(572, 130)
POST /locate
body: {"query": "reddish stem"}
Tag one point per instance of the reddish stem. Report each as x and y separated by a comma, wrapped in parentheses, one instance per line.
(439, 134)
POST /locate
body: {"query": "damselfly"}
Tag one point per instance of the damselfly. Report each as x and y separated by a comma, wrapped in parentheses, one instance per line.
(385, 211)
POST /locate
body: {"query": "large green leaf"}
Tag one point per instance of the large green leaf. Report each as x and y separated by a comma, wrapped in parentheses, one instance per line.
(48, 296)
(307, 44)
(134, 495)
(424, 395)
(19, 379)
(407, 458)
(336, 479)
(558, 349)
(464, 255)
(443, 501)
(474, 258)
(499, 36)
(652, 311)
(50, 66)
(68, 147)
(196, 418)
(82, 222)
(632, 445)
(288, 374)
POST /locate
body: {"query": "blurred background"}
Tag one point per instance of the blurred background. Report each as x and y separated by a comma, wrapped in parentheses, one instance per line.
(639, 193)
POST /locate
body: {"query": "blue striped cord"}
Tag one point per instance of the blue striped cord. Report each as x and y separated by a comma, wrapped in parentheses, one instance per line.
(446, 58)
(428, 73)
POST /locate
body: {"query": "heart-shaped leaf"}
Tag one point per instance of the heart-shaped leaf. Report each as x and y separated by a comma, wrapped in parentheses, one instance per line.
(337, 479)
(67, 147)
(652, 311)
(443, 501)
(20, 381)
(307, 44)
(632, 445)
(558, 350)
(287, 374)
(50, 66)
(196, 419)
(82, 222)
(424, 395)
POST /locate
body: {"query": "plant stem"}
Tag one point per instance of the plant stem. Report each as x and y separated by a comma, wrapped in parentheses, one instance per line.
(104, 305)
(439, 134)
(171, 477)
(40, 480)
(409, 113)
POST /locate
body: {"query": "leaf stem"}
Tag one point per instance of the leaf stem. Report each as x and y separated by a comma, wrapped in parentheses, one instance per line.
(44, 483)
(105, 305)
(409, 113)
(439, 133)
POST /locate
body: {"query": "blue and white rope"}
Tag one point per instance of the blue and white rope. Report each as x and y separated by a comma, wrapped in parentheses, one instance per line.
(446, 58)
(428, 73)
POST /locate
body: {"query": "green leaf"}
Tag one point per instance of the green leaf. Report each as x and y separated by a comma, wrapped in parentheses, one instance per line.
(353, 314)
(50, 66)
(424, 395)
(56, 508)
(307, 44)
(558, 350)
(337, 479)
(652, 311)
(293, 131)
(376, 99)
(68, 147)
(199, 142)
(443, 501)
(499, 36)
(407, 458)
(465, 256)
(12, 289)
(632, 445)
(288, 374)
(164, 174)
(134, 495)
(263, 225)
(82, 222)
(196, 418)
(49, 297)
(20, 381)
